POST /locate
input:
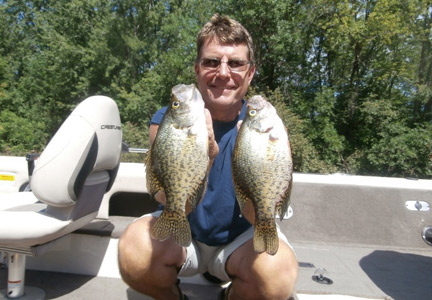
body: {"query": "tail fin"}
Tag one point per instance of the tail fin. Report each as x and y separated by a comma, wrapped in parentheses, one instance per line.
(172, 223)
(265, 237)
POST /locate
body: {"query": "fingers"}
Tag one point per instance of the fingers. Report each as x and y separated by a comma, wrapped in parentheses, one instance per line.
(152, 132)
(213, 146)
(239, 123)
(160, 197)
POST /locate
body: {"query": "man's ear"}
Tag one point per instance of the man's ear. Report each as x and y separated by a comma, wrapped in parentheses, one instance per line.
(251, 73)
(196, 68)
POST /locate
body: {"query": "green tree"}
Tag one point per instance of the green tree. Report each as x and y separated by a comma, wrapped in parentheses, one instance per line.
(18, 136)
(348, 77)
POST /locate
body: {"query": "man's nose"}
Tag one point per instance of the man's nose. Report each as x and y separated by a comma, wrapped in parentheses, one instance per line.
(223, 69)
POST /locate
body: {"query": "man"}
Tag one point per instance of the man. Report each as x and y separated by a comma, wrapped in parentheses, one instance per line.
(222, 237)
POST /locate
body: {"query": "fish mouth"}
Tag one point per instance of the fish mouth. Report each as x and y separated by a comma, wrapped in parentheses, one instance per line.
(257, 102)
(186, 92)
(196, 95)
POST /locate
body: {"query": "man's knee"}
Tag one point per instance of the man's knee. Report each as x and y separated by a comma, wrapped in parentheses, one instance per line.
(144, 262)
(266, 277)
(275, 280)
(281, 283)
(132, 256)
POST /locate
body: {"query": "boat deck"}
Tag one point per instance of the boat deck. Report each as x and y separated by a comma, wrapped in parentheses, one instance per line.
(64, 286)
(363, 235)
(355, 271)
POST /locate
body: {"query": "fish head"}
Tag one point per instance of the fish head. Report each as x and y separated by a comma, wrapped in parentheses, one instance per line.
(186, 105)
(261, 115)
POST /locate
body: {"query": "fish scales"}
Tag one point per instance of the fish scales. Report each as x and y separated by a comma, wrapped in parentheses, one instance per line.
(262, 170)
(177, 163)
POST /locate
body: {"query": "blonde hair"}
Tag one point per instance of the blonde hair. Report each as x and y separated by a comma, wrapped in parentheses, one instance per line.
(227, 31)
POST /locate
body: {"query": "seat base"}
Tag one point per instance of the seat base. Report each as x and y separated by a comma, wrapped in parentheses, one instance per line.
(30, 293)
(16, 288)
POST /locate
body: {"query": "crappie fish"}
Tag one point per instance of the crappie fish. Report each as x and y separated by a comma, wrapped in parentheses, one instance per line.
(177, 162)
(262, 170)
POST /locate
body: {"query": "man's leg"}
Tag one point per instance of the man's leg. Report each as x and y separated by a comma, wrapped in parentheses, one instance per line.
(262, 276)
(148, 265)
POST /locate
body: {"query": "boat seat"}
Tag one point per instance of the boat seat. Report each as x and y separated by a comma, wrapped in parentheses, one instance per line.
(75, 170)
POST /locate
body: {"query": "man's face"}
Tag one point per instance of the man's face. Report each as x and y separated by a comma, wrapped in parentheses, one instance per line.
(223, 88)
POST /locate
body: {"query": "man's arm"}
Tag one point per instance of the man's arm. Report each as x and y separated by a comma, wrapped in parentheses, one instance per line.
(213, 146)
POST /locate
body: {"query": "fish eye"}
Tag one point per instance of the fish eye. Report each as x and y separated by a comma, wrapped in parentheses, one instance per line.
(175, 104)
(252, 112)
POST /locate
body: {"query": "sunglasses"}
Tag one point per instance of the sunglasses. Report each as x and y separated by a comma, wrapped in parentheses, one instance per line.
(235, 65)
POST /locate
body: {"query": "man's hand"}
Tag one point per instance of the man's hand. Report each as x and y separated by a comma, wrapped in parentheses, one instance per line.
(213, 146)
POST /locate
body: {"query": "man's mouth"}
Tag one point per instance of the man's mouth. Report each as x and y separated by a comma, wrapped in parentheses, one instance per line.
(222, 87)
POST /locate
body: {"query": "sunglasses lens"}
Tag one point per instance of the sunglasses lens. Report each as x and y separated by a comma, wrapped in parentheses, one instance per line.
(210, 63)
(237, 65)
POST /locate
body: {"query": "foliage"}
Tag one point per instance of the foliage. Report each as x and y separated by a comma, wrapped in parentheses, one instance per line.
(401, 151)
(136, 137)
(305, 155)
(18, 136)
(351, 79)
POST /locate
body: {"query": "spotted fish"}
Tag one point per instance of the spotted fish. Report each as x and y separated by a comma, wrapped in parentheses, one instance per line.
(262, 170)
(177, 162)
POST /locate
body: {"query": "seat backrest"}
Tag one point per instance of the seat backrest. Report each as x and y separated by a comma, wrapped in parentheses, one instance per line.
(80, 162)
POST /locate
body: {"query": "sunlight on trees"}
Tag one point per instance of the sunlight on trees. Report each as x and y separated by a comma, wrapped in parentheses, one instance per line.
(352, 80)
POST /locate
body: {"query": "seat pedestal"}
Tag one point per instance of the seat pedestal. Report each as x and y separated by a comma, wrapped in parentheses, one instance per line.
(16, 277)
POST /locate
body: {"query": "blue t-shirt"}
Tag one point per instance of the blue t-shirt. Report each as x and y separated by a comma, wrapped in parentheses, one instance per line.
(217, 219)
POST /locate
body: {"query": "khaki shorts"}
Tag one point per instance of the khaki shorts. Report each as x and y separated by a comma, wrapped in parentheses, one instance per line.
(201, 258)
